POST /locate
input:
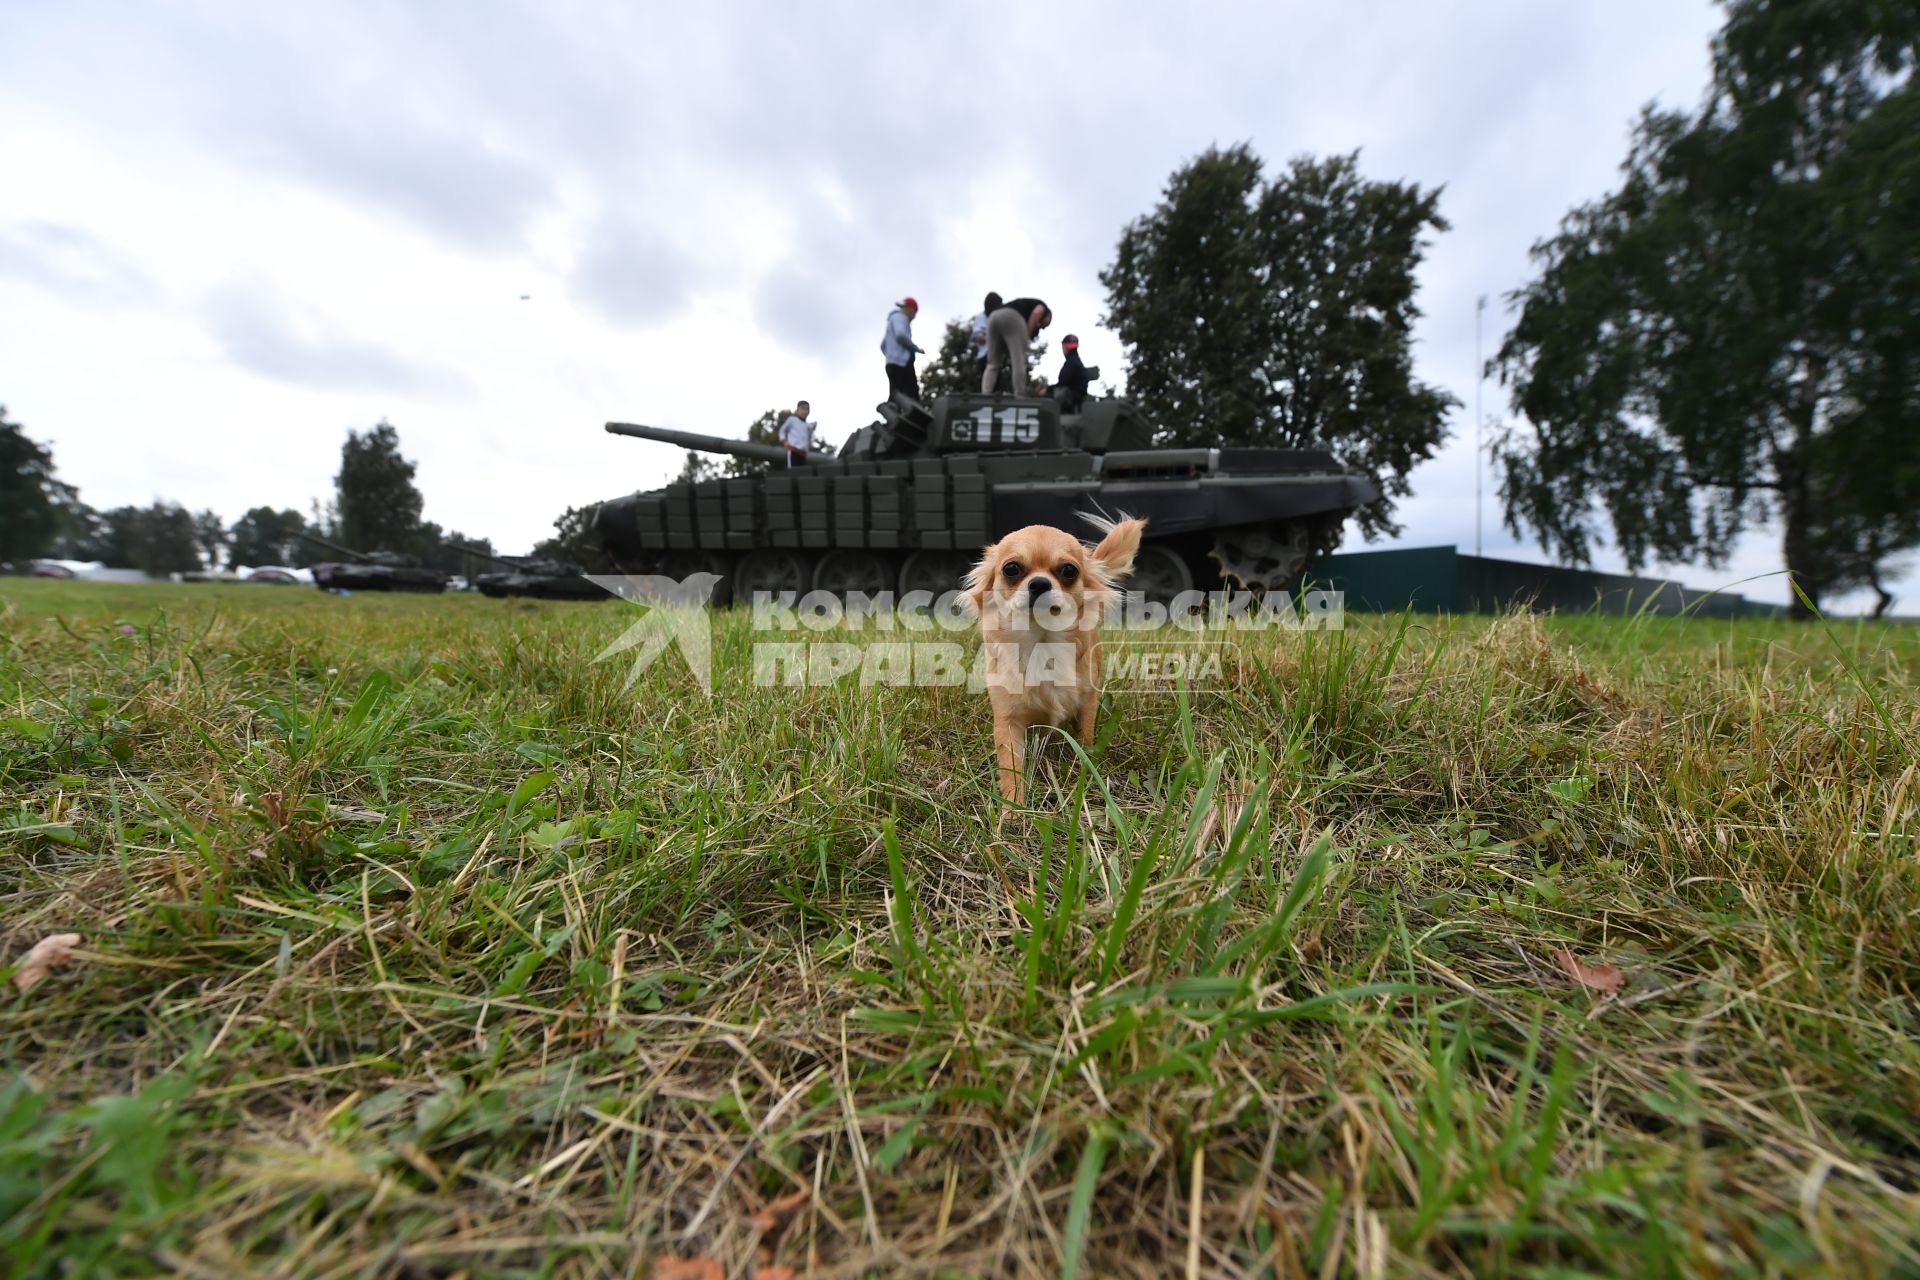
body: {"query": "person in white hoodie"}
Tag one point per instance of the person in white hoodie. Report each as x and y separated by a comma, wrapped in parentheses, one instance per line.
(896, 345)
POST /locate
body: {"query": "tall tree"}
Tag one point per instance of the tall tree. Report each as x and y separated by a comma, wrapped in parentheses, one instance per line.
(80, 530)
(951, 369)
(160, 539)
(264, 536)
(764, 430)
(1281, 313)
(1728, 337)
(210, 534)
(447, 552)
(575, 539)
(122, 531)
(31, 496)
(169, 540)
(379, 507)
(323, 518)
(1863, 517)
(699, 466)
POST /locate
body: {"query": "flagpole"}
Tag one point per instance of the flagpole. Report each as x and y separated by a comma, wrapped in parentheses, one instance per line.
(1479, 417)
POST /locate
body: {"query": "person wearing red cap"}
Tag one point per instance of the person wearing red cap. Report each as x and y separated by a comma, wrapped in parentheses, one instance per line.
(896, 345)
(1070, 388)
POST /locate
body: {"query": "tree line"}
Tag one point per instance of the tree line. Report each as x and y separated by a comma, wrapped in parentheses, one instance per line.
(375, 506)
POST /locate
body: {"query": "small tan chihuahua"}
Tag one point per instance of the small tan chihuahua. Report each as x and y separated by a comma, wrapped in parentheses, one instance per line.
(1041, 594)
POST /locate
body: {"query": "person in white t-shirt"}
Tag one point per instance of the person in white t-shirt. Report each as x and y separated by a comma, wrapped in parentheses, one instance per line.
(992, 305)
(796, 434)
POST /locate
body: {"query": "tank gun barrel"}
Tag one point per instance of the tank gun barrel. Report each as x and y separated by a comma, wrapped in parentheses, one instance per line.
(705, 444)
(484, 555)
(318, 541)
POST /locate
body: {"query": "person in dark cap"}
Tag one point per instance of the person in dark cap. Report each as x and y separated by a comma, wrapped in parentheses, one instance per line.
(1070, 388)
(897, 346)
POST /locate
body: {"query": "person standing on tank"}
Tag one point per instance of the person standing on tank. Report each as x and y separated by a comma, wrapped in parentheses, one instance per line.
(898, 349)
(796, 434)
(1070, 388)
(1009, 331)
(991, 305)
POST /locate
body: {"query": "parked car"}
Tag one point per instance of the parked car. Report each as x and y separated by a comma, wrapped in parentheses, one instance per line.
(278, 575)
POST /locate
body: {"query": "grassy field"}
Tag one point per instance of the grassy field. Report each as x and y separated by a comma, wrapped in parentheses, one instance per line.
(413, 944)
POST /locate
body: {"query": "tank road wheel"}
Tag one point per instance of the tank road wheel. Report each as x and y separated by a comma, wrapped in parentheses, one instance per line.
(1262, 557)
(681, 565)
(847, 570)
(772, 570)
(935, 572)
(1160, 573)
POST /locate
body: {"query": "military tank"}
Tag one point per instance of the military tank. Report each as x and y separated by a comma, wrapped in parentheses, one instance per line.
(909, 501)
(537, 577)
(372, 570)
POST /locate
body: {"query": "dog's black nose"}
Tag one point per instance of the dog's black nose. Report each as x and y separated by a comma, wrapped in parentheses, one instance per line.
(1038, 586)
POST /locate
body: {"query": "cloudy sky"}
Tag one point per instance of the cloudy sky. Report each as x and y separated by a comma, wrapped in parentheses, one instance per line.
(234, 231)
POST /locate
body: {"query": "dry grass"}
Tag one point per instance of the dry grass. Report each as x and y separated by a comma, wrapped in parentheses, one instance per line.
(414, 945)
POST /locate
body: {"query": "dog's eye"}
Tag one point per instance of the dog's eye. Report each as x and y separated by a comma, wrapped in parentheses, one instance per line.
(1067, 572)
(1013, 569)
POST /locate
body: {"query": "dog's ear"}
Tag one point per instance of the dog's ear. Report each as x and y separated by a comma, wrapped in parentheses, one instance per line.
(975, 583)
(1114, 556)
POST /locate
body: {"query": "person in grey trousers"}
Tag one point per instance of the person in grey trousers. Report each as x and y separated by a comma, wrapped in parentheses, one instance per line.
(1009, 331)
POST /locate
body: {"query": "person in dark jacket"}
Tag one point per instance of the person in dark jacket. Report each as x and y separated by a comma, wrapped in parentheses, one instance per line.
(1070, 388)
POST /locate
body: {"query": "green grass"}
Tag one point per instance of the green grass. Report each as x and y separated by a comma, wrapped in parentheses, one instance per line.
(416, 945)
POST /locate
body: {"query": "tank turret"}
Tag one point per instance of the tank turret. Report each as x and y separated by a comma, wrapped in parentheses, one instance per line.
(372, 570)
(539, 577)
(909, 501)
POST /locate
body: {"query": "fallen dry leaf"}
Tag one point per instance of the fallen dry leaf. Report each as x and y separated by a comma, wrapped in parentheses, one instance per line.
(47, 955)
(782, 1272)
(669, 1267)
(1607, 978)
(778, 1211)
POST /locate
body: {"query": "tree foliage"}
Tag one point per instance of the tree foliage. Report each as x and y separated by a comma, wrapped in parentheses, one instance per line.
(210, 536)
(160, 539)
(951, 369)
(445, 550)
(1728, 337)
(169, 540)
(764, 430)
(1281, 313)
(698, 466)
(79, 529)
(575, 539)
(264, 536)
(31, 496)
(379, 506)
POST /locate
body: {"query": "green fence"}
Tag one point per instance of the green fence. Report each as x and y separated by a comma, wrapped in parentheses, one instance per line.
(1441, 580)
